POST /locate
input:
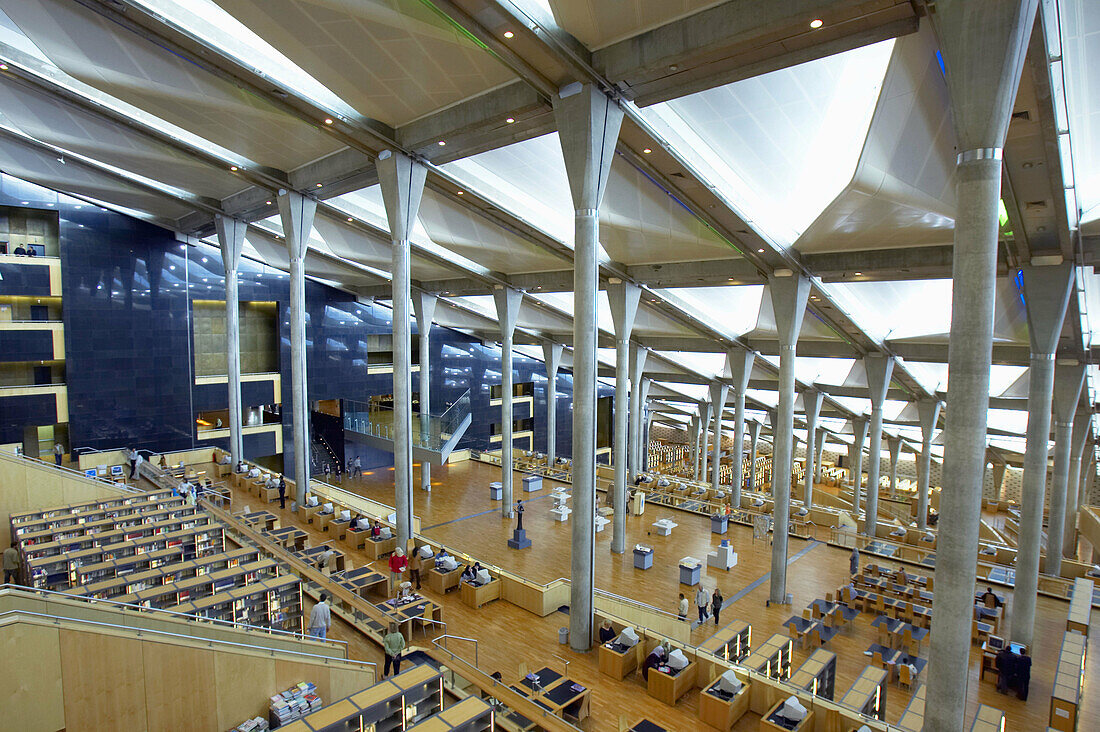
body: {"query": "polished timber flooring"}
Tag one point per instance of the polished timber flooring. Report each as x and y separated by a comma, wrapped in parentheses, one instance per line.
(458, 512)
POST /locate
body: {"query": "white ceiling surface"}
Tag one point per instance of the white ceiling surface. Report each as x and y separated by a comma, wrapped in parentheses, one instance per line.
(71, 129)
(811, 370)
(646, 322)
(392, 60)
(902, 192)
(46, 170)
(781, 146)
(102, 54)
(813, 329)
(1080, 25)
(733, 310)
(598, 23)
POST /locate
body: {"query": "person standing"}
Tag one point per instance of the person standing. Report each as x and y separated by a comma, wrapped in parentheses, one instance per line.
(358, 467)
(320, 618)
(716, 604)
(414, 567)
(11, 565)
(519, 515)
(58, 453)
(1023, 674)
(853, 563)
(702, 602)
(133, 457)
(282, 492)
(682, 610)
(398, 564)
(392, 645)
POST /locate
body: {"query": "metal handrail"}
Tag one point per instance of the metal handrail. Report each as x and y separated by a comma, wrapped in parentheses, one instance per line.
(140, 631)
(75, 473)
(185, 616)
(435, 642)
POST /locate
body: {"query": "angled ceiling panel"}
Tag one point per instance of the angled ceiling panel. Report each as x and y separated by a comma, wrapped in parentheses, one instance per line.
(116, 61)
(392, 60)
(597, 23)
(902, 193)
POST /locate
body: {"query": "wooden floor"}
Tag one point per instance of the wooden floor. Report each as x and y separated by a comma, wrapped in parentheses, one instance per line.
(458, 512)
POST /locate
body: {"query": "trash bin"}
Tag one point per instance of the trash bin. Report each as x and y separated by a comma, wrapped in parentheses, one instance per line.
(563, 636)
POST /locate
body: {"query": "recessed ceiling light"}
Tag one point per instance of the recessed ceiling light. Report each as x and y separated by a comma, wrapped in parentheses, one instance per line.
(350, 219)
(233, 168)
(441, 143)
(509, 34)
(760, 251)
(859, 274)
(328, 120)
(647, 151)
(267, 202)
(510, 120)
(3, 67)
(816, 23)
(318, 185)
(26, 202)
(461, 192)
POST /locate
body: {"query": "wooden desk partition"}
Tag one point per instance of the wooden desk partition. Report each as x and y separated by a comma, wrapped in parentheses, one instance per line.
(619, 665)
(667, 688)
(477, 595)
(718, 712)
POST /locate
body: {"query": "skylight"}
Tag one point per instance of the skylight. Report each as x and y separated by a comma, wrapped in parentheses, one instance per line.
(207, 21)
(902, 309)
(780, 146)
(732, 310)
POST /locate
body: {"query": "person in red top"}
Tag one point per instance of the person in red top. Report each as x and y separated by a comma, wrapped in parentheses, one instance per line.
(398, 563)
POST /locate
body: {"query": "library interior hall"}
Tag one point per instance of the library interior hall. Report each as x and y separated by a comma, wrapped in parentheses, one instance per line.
(549, 365)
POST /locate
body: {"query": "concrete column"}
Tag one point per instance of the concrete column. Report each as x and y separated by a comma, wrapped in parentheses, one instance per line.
(819, 439)
(1081, 427)
(788, 295)
(231, 240)
(588, 127)
(859, 435)
(645, 434)
(424, 309)
(740, 366)
(893, 444)
(638, 357)
(296, 212)
(929, 412)
(718, 394)
(402, 183)
(1068, 380)
(705, 410)
(508, 302)
(1047, 292)
(695, 421)
(983, 47)
(879, 369)
(1088, 480)
(754, 441)
(551, 353)
(811, 404)
(623, 298)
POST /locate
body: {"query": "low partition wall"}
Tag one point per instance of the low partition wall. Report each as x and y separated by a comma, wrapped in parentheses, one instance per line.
(354, 502)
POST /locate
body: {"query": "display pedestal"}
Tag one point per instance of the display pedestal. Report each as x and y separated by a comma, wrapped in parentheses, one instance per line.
(496, 491)
(519, 539)
(718, 524)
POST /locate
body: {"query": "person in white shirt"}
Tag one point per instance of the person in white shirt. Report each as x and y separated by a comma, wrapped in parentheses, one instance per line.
(682, 609)
(323, 560)
(702, 601)
(320, 618)
(254, 473)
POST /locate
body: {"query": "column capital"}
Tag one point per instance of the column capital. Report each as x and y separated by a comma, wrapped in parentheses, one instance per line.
(508, 302)
(296, 212)
(623, 298)
(402, 182)
(231, 233)
(1047, 292)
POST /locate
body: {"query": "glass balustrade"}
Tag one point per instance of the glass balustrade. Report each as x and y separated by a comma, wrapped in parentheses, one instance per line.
(429, 431)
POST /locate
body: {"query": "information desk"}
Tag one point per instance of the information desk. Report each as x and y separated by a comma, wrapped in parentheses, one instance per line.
(868, 694)
(730, 643)
(617, 661)
(817, 674)
(719, 710)
(405, 613)
(441, 581)
(1065, 697)
(912, 719)
(668, 685)
(770, 721)
(360, 580)
(477, 595)
(378, 548)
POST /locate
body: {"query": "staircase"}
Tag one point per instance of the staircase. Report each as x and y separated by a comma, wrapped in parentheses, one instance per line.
(433, 436)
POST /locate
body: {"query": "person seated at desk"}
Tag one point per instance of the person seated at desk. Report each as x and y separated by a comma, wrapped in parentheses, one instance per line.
(607, 633)
(990, 599)
(468, 573)
(405, 592)
(242, 467)
(444, 562)
(163, 464)
(376, 530)
(20, 251)
(653, 660)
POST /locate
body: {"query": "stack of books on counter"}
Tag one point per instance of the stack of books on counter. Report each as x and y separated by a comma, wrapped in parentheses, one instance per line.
(293, 703)
(256, 724)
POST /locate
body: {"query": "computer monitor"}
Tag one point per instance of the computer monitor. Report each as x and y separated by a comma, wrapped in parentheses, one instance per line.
(628, 638)
(729, 683)
(327, 508)
(90, 473)
(677, 660)
(345, 515)
(996, 643)
(793, 710)
(483, 577)
(116, 470)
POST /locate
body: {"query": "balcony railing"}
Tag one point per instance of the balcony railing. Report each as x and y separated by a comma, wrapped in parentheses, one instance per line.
(429, 432)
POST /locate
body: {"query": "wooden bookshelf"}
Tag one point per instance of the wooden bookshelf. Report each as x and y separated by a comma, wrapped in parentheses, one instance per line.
(730, 643)
(817, 674)
(912, 719)
(1065, 697)
(1080, 606)
(868, 694)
